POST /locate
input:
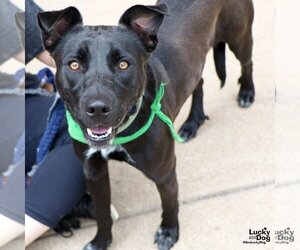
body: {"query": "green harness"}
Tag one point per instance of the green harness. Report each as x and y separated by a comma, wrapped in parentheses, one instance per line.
(77, 134)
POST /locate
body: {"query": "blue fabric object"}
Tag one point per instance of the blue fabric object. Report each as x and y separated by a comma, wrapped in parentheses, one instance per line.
(19, 153)
(19, 149)
(19, 75)
(46, 75)
(56, 116)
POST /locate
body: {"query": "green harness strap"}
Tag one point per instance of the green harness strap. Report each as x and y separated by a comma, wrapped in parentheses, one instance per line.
(77, 134)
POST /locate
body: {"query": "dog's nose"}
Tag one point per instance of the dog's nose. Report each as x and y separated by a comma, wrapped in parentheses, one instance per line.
(97, 108)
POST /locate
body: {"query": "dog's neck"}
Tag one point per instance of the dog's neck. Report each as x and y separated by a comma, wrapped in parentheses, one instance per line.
(154, 77)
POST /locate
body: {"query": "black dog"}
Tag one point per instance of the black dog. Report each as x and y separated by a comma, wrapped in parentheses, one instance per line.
(108, 77)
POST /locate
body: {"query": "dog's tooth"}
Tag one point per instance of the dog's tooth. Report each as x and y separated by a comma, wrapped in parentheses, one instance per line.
(89, 132)
(99, 137)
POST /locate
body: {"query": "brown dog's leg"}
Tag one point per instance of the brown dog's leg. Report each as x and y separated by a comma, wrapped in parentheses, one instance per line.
(196, 117)
(97, 181)
(243, 52)
(168, 233)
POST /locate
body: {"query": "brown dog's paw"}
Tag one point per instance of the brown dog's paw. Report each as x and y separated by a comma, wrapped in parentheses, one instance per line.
(102, 245)
(165, 238)
(246, 98)
(189, 129)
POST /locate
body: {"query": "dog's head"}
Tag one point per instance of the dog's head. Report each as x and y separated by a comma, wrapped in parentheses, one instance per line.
(101, 70)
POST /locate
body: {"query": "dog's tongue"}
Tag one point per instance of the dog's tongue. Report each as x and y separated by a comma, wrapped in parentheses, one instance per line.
(99, 130)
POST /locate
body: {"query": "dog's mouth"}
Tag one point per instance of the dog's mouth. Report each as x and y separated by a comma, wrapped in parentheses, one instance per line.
(100, 134)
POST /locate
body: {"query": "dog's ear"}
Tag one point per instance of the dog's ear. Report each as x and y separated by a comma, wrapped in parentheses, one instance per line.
(145, 21)
(54, 24)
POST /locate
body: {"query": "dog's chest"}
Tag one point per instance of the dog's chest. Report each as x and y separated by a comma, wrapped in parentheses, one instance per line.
(112, 152)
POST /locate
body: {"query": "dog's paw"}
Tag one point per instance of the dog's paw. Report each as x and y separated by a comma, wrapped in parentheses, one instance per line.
(189, 129)
(102, 245)
(165, 238)
(245, 98)
(90, 246)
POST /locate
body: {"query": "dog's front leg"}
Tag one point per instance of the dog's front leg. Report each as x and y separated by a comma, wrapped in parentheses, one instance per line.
(97, 181)
(168, 233)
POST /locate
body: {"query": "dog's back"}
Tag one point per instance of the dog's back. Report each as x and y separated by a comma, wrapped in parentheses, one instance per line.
(193, 27)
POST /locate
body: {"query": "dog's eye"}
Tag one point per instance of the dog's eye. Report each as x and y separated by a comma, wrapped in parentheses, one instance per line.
(74, 65)
(123, 65)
